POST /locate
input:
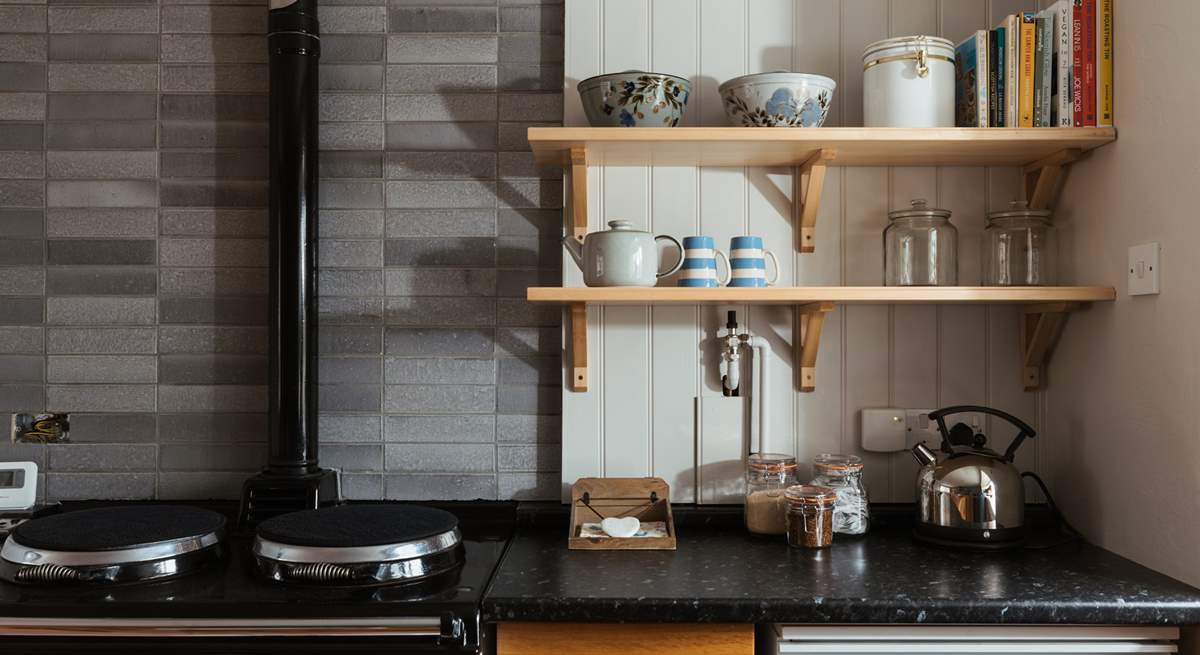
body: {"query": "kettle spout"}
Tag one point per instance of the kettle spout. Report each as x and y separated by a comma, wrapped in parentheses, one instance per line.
(924, 455)
(575, 248)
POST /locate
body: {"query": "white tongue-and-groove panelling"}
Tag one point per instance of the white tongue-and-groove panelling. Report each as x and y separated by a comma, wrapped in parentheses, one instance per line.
(649, 365)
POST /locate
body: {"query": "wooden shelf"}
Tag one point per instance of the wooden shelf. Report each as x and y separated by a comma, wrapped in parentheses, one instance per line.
(1043, 153)
(1042, 319)
(804, 295)
(787, 146)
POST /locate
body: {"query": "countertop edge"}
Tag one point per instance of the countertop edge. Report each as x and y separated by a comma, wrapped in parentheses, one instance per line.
(824, 611)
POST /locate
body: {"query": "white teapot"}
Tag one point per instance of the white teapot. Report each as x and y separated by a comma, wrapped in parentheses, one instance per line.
(620, 256)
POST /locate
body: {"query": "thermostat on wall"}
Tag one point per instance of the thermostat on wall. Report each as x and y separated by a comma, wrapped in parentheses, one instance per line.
(18, 486)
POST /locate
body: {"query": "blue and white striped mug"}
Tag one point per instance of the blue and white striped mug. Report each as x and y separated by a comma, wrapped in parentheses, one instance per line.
(700, 263)
(748, 263)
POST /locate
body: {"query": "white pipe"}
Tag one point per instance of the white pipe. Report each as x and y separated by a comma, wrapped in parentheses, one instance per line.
(761, 358)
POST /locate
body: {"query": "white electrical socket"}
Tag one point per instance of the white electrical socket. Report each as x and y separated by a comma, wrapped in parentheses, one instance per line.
(1143, 269)
(883, 430)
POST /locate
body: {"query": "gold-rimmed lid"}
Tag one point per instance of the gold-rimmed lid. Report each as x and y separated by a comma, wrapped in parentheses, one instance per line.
(810, 495)
(837, 464)
(771, 462)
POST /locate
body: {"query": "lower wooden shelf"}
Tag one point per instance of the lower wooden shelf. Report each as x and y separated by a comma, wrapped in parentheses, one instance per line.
(1043, 316)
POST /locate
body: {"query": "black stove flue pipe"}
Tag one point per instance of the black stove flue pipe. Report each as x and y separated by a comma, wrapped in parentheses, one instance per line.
(295, 48)
(293, 479)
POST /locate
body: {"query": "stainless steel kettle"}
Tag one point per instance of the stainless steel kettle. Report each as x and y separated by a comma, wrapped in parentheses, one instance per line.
(973, 496)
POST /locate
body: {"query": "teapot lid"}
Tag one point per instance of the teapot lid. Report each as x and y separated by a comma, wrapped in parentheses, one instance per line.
(621, 225)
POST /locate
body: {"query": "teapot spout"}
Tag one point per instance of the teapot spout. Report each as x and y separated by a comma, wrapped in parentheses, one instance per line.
(574, 248)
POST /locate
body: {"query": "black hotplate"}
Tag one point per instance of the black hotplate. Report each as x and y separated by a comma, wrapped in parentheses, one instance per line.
(231, 588)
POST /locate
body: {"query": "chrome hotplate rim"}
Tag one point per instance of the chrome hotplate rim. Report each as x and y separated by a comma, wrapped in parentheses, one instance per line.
(358, 554)
(18, 553)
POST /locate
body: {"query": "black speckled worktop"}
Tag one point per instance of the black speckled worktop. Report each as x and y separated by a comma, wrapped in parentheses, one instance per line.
(720, 573)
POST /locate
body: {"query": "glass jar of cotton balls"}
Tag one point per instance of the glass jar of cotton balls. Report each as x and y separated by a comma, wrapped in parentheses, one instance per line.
(843, 473)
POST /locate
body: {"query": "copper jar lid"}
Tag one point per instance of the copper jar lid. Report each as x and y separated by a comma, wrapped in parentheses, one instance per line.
(810, 495)
(837, 464)
(771, 462)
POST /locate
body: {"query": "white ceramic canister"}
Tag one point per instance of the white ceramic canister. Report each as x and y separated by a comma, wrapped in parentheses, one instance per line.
(908, 81)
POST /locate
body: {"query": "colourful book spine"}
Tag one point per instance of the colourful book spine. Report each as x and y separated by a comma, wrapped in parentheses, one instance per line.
(1064, 113)
(1000, 69)
(1041, 72)
(1012, 38)
(970, 83)
(1077, 59)
(995, 92)
(1089, 63)
(1104, 64)
(1026, 80)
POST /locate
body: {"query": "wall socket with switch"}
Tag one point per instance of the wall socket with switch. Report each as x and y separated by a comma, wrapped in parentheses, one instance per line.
(892, 429)
(1144, 269)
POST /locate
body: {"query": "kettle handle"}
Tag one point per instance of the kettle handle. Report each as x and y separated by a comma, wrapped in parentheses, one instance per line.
(1024, 431)
(679, 250)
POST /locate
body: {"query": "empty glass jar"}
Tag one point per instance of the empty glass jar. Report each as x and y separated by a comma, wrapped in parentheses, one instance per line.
(920, 247)
(843, 474)
(1019, 247)
(767, 478)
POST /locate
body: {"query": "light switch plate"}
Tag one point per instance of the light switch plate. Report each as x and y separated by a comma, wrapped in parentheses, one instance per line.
(1143, 269)
(883, 430)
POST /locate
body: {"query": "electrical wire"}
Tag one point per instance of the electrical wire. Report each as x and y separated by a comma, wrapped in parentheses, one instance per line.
(1072, 534)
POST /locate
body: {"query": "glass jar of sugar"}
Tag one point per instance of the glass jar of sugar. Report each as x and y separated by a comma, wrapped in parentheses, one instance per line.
(768, 475)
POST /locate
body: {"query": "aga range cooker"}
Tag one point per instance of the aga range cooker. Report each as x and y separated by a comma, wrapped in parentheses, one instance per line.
(122, 579)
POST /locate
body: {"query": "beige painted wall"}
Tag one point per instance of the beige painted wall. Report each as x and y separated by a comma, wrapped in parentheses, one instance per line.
(1125, 381)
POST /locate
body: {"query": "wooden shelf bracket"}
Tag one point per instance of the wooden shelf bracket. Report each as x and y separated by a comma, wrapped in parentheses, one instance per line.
(1043, 177)
(809, 179)
(1041, 325)
(577, 356)
(575, 216)
(806, 337)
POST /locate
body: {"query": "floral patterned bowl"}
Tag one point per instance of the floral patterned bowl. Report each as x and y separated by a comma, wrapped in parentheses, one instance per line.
(778, 99)
(634, 99)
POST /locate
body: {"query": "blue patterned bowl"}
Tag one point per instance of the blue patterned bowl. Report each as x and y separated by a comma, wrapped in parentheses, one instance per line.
(634, 99)
(777, 99)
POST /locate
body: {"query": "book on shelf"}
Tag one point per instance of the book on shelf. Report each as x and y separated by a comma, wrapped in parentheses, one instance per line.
(1077, 59)
(971, 81)
(996, 78)
(1104, 63)
(1025, 74)
(1060, 86)
(1010, 31)
(1089, 63)
(1043, 62)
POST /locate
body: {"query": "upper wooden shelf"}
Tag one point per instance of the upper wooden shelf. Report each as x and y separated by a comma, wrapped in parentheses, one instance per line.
(806, 295)
(786, 146)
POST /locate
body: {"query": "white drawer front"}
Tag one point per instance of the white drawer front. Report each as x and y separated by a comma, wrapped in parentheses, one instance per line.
(973, 640)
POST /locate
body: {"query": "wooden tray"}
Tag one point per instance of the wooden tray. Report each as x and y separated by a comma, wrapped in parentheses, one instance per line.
(647, 499)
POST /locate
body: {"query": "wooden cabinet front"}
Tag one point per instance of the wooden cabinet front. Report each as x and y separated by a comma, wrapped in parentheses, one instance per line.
(624, 639)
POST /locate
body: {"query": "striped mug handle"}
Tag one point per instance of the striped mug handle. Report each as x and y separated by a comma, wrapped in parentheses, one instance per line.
(775, 262)
(717, 254)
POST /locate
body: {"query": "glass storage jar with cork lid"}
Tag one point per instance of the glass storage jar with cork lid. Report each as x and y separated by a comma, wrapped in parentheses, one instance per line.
(768, 475)
(810, 516)
(843, 474)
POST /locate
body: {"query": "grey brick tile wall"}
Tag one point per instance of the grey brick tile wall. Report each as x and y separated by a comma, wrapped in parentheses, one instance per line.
(133, 253)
